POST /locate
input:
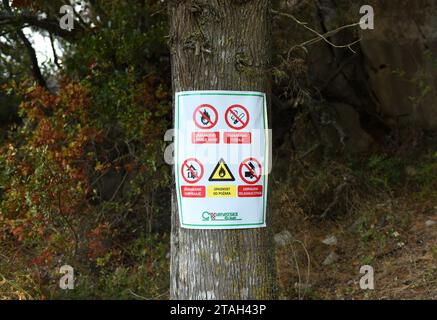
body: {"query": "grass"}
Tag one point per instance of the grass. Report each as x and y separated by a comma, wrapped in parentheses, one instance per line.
(378, 221)
(143, 274)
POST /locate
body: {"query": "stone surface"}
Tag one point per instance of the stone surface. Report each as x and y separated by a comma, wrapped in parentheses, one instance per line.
(283, 238)
(400, 59)
(330, 259)
(356, 139)
(330, 240)
(430, 223)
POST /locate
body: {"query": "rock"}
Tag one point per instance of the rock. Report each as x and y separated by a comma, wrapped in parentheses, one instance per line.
(430, 223)
(396, 61)
(356, 139)
(401, 244)
(354, 227)
(282, 238)
(330, 241)
(332, 258)
(351, 282)
(410, 171)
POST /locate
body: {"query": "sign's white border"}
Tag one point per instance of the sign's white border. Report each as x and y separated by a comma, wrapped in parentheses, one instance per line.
(180, 95)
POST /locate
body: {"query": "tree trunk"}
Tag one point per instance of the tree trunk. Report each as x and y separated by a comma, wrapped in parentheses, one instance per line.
(220, 45)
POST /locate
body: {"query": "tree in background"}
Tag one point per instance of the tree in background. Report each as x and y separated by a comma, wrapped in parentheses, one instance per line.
(82, 171)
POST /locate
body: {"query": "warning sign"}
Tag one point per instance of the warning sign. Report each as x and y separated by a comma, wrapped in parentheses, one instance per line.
(221, 152)
(193, 191)
(237, 117)
(192, 170)
(237, 137)
(250, 170)
(222, 192)
(205, 116)
(205, 137)
(250, 191)
(221, 172)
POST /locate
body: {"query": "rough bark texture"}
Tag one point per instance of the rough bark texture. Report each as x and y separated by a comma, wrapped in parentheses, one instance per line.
(220, 45)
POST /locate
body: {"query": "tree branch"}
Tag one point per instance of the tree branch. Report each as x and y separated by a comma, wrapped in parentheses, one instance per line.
(49, 25)
(36, 71)
(55, 55)
(320, 36)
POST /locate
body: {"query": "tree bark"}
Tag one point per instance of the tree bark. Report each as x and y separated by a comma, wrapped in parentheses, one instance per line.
(220, 45)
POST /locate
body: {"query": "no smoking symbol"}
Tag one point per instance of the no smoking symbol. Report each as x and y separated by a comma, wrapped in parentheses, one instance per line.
(205, 116)
(250, 171)
(192, 170)
(237, 117)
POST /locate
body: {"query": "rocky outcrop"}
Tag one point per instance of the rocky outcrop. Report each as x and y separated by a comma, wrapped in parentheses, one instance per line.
(401, 61)
(386, 80)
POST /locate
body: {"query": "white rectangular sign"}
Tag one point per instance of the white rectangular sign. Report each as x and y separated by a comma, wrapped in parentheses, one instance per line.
(221, 155)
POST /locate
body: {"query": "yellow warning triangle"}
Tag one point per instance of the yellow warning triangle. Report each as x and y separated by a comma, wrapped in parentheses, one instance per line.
(221, 172)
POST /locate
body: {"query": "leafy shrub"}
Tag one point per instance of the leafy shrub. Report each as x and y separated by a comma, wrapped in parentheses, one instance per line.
(82, 178)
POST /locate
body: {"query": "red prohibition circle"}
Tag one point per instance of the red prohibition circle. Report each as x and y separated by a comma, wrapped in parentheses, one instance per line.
(211, 123)
(230, 112)
(244, 165)
(185, 166)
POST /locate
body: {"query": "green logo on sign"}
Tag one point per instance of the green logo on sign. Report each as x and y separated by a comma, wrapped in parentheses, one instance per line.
(220, 216)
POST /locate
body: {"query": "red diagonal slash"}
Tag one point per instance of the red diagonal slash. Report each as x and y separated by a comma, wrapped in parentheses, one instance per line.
(205, 116)
(236, 116)
(191, 170)
(251, 171)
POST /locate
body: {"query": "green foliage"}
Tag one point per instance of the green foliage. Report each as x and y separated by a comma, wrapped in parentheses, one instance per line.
(426, 177)
(82, 179)
(145, 277)
(385, 173)
(132, 36)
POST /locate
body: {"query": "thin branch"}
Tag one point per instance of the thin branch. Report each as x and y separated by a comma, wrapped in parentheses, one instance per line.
(55, 55)
(337, 193)
(49, 25)
(320, 36)
(36, 71)
(30, 51)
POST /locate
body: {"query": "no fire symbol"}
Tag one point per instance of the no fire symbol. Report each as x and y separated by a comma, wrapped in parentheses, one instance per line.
(192, 170)
(205, 116)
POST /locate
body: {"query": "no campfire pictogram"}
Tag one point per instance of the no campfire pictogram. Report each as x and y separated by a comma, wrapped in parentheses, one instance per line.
(192, 170)
(250, 171)
(237, 117)
(205, 116)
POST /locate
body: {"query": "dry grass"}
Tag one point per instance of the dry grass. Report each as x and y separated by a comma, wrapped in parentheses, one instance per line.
(390, 236)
